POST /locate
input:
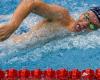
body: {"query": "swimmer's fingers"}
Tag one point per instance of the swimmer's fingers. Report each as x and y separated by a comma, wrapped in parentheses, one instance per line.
(3, 36)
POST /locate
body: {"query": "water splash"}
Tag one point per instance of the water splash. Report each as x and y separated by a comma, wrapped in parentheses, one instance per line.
(34, 49)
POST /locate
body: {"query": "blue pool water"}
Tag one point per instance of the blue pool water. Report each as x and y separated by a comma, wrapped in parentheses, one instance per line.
(68, 51)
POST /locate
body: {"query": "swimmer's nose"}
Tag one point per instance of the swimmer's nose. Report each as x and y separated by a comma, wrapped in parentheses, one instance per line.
(78, 28)
(83, 25)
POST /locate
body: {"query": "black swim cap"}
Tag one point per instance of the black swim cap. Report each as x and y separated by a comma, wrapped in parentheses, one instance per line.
(96, 10)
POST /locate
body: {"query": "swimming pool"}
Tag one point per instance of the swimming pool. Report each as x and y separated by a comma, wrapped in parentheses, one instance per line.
(67, 51)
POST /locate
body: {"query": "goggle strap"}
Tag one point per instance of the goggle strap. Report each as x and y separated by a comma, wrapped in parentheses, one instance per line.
(91, 25)
(86, 16)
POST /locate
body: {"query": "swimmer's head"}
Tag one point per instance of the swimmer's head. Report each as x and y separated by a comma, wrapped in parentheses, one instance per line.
(87, 20)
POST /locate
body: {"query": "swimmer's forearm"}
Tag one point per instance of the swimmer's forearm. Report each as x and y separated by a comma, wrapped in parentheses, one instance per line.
(21, 12)
(53, 12)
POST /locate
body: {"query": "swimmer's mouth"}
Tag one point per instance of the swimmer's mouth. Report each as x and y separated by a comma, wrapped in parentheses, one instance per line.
(79, 28)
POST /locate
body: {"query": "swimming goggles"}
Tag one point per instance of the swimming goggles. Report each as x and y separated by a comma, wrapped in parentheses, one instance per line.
(91, 25)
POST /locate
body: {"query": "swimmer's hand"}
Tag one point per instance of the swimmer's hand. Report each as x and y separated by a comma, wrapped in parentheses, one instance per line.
(5, 32)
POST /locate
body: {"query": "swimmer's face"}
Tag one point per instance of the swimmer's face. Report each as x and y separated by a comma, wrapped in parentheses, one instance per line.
(82, 22)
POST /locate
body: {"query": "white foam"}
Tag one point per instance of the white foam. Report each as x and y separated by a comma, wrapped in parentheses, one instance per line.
(88, 41)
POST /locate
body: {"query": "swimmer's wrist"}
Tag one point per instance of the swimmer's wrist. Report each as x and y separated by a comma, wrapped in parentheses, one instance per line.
(11, 28)
(13, 25)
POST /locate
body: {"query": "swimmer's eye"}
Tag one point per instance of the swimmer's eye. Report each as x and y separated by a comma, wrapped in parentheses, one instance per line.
(91, 25)
(86, 16)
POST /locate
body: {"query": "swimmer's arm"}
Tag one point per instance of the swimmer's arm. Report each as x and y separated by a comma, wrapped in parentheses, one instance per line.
(44, 10)
(22, 11)
(50, 11)
(53, 12)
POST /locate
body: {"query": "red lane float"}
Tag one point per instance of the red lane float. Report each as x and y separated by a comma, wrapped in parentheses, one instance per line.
(50, 74)
(88, 74)
(36, 74)
(75, 74)
(24, 74)
(11, 74)
(97, 74)
(2, 74)
(62, 74)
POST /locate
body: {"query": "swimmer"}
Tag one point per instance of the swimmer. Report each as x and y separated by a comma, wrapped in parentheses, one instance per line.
(53, 15)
